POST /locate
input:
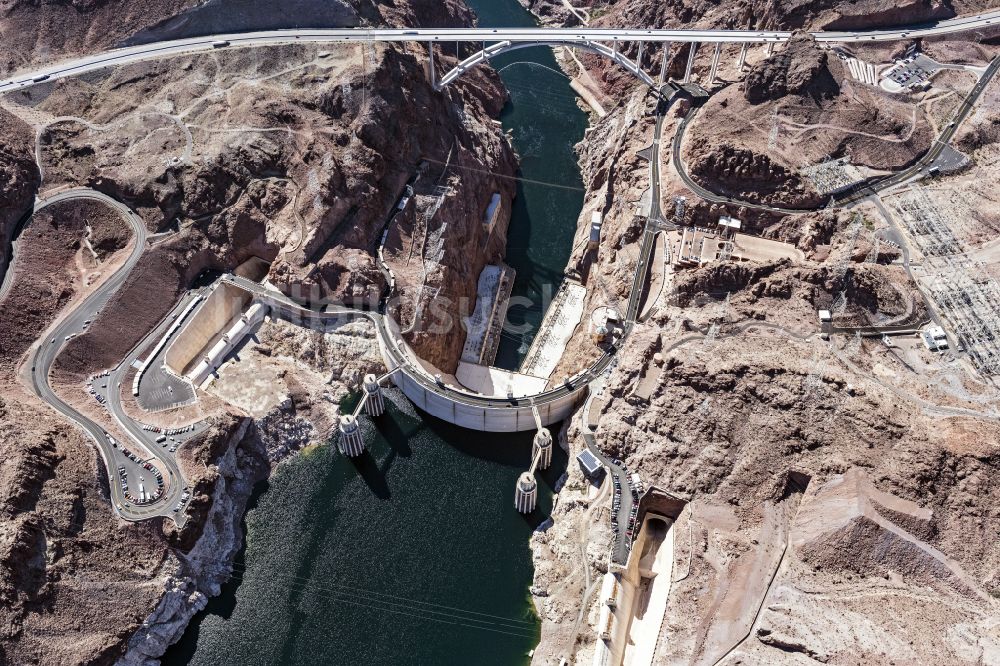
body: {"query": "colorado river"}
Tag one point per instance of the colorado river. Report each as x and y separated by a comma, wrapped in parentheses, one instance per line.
(415, 554)
(546, 123)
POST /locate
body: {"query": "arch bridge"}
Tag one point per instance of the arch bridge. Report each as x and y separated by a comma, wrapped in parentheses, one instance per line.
(489, 52)
(494, 42)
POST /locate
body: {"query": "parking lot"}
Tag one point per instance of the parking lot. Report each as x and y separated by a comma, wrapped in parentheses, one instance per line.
(912, 73)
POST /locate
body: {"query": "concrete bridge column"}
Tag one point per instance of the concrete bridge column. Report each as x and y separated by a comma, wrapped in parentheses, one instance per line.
(374, 403)
(770, 48)
(663, 62)
(351, 442)
(690, 65)
(526, 493)
(715, 62)
(430, 47)
(638, 58)
(742, 60)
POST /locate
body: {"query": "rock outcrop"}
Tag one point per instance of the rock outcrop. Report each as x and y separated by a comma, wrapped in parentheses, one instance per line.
(848, 525)
(800, 68)
(20, 177)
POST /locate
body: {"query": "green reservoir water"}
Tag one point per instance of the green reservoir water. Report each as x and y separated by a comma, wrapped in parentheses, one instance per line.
(546, 123)
(414, 554)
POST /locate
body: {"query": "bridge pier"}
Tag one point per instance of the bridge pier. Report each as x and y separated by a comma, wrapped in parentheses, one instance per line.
(770, 48)
(663, 62)
(715, 62)
(541, 447)
(526, 493)
(638, 58)
(374, 403)
(742, 60)
(690, 64)
(430, 47)
(351, 444)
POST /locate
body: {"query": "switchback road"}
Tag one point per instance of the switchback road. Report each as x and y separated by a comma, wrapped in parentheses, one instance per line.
(72, 324)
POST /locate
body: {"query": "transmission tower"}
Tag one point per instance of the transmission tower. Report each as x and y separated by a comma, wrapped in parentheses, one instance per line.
(839, 278)
(872, 257)
(772, 138)
(679, 204)
(814, 380)
(854, 346)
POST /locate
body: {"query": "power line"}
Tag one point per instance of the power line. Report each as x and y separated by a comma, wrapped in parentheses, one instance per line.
(515, 178)
(419, 616)
(365, 593)
(452, 615)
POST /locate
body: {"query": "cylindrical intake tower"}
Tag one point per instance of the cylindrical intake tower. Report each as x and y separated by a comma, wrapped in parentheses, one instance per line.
(542, 443)
(351, 442)
(526, 493)
(374, 402)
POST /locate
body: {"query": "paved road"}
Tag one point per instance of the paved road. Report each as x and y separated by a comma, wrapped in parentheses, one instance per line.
(859, 192)
(707, 194)
(622, 545)
(477, 35)
(925, 162)
(73, 324)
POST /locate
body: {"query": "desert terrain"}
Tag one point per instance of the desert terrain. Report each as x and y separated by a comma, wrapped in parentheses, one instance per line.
(830, 484)
(836, 495)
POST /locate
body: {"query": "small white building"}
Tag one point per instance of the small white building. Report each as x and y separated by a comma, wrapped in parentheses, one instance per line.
(730, 224)
(596, 221)
(934, 338)
(492, 212)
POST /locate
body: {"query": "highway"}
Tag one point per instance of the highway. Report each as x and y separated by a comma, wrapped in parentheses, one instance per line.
(72, 324)
(707, 194)
(132, 54)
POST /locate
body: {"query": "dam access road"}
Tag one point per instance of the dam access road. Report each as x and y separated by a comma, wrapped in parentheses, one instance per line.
(48, 349)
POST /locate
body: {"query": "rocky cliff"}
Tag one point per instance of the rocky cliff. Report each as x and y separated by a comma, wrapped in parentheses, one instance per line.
(222, 470)
(20, 177)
